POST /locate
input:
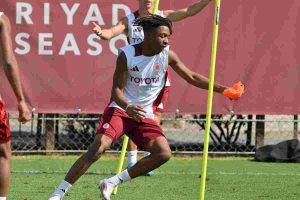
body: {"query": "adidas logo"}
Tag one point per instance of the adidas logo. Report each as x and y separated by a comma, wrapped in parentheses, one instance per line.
(135, 69)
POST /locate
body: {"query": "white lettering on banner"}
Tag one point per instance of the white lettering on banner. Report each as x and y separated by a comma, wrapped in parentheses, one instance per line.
(97, 47)
(43, 43)
(69, 44)
(93, 15)
(48, 44)
(68, 12)
(46, 13)
(23, 11)
(24, 44)
(115, 11)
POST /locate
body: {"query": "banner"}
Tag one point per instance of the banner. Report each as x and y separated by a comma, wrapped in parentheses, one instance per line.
(65, 67)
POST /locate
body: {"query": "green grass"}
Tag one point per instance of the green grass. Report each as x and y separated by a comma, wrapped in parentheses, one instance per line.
(228, 179)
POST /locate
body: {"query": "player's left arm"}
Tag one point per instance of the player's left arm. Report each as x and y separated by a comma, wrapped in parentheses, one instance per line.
(191, 77)
(11, 68)
(177, 15)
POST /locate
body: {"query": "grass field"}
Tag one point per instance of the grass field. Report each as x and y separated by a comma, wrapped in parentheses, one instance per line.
(35, 177)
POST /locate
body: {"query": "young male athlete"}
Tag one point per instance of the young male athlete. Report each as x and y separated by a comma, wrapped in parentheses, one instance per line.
(135, 35)
(131, 110)
(9, 63)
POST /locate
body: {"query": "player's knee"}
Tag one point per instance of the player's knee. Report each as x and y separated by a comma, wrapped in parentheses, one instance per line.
(93, 156)
(5, 152)
(165, 156)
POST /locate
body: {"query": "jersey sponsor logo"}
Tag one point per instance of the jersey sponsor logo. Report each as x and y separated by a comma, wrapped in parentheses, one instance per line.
(135, 69)
(146, 81)
(136, 40)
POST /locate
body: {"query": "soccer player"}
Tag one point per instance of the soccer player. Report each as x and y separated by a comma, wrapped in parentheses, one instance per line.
(138, 80)
(135, 35)
(9, 63)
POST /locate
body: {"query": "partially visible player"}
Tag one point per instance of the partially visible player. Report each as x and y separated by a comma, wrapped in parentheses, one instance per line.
(135, 35)
(9, 63)
(131, 110)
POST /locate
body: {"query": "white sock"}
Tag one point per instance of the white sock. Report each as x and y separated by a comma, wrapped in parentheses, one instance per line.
(120, 178)
(63, 188)
(2, 198)
(132, 156)
(146, 153)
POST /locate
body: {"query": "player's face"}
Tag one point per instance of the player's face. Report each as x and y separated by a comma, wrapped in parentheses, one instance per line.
(160, 37)
(146, 3)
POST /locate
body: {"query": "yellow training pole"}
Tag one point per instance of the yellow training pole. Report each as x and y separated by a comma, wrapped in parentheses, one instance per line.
(125, 142)
(155, 6)
(210, 98)
(121, 159)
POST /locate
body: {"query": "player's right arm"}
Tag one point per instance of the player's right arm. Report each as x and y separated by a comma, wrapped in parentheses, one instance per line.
(200, 81)
(107, 34)
(119, 82)
(11, 68)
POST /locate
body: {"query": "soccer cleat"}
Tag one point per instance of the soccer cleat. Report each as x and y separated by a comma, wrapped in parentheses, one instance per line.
(151, 173)
(235, 92)
(106, 188)
(55, 197)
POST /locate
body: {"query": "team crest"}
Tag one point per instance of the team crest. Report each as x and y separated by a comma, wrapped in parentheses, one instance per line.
(106, 126)
(157, 68)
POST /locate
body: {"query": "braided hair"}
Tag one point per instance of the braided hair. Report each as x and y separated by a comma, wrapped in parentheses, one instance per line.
(151, 21)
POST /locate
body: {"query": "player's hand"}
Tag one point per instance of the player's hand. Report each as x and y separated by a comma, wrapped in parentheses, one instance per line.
(97, 29)
(136, 112)
(24, 113)
(235, 92)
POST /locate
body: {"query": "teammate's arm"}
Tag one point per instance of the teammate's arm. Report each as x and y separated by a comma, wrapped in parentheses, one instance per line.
(107, 34)
(119, 82)
(190, 76)
(177, 15)
(11, 68)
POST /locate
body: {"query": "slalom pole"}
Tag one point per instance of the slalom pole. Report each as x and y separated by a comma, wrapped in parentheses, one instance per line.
(121, 159)
(210, 98)
(155, 6)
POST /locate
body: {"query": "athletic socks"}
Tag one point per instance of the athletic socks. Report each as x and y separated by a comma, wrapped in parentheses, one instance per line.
(132, 156)
(62, 188)
(120, 178)
(146, 153)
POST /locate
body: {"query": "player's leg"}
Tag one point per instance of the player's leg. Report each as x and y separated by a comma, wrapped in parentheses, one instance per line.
(5, 152)
(5, 155)
(149, 137)
(96, 149)
(160, 153)
(157, 119)
(110, 127)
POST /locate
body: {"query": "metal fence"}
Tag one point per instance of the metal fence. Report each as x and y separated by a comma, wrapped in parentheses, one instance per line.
(236, 134)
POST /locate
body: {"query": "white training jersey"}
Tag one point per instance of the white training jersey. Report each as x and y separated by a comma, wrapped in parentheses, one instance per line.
(135, 33)
(146, 78)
